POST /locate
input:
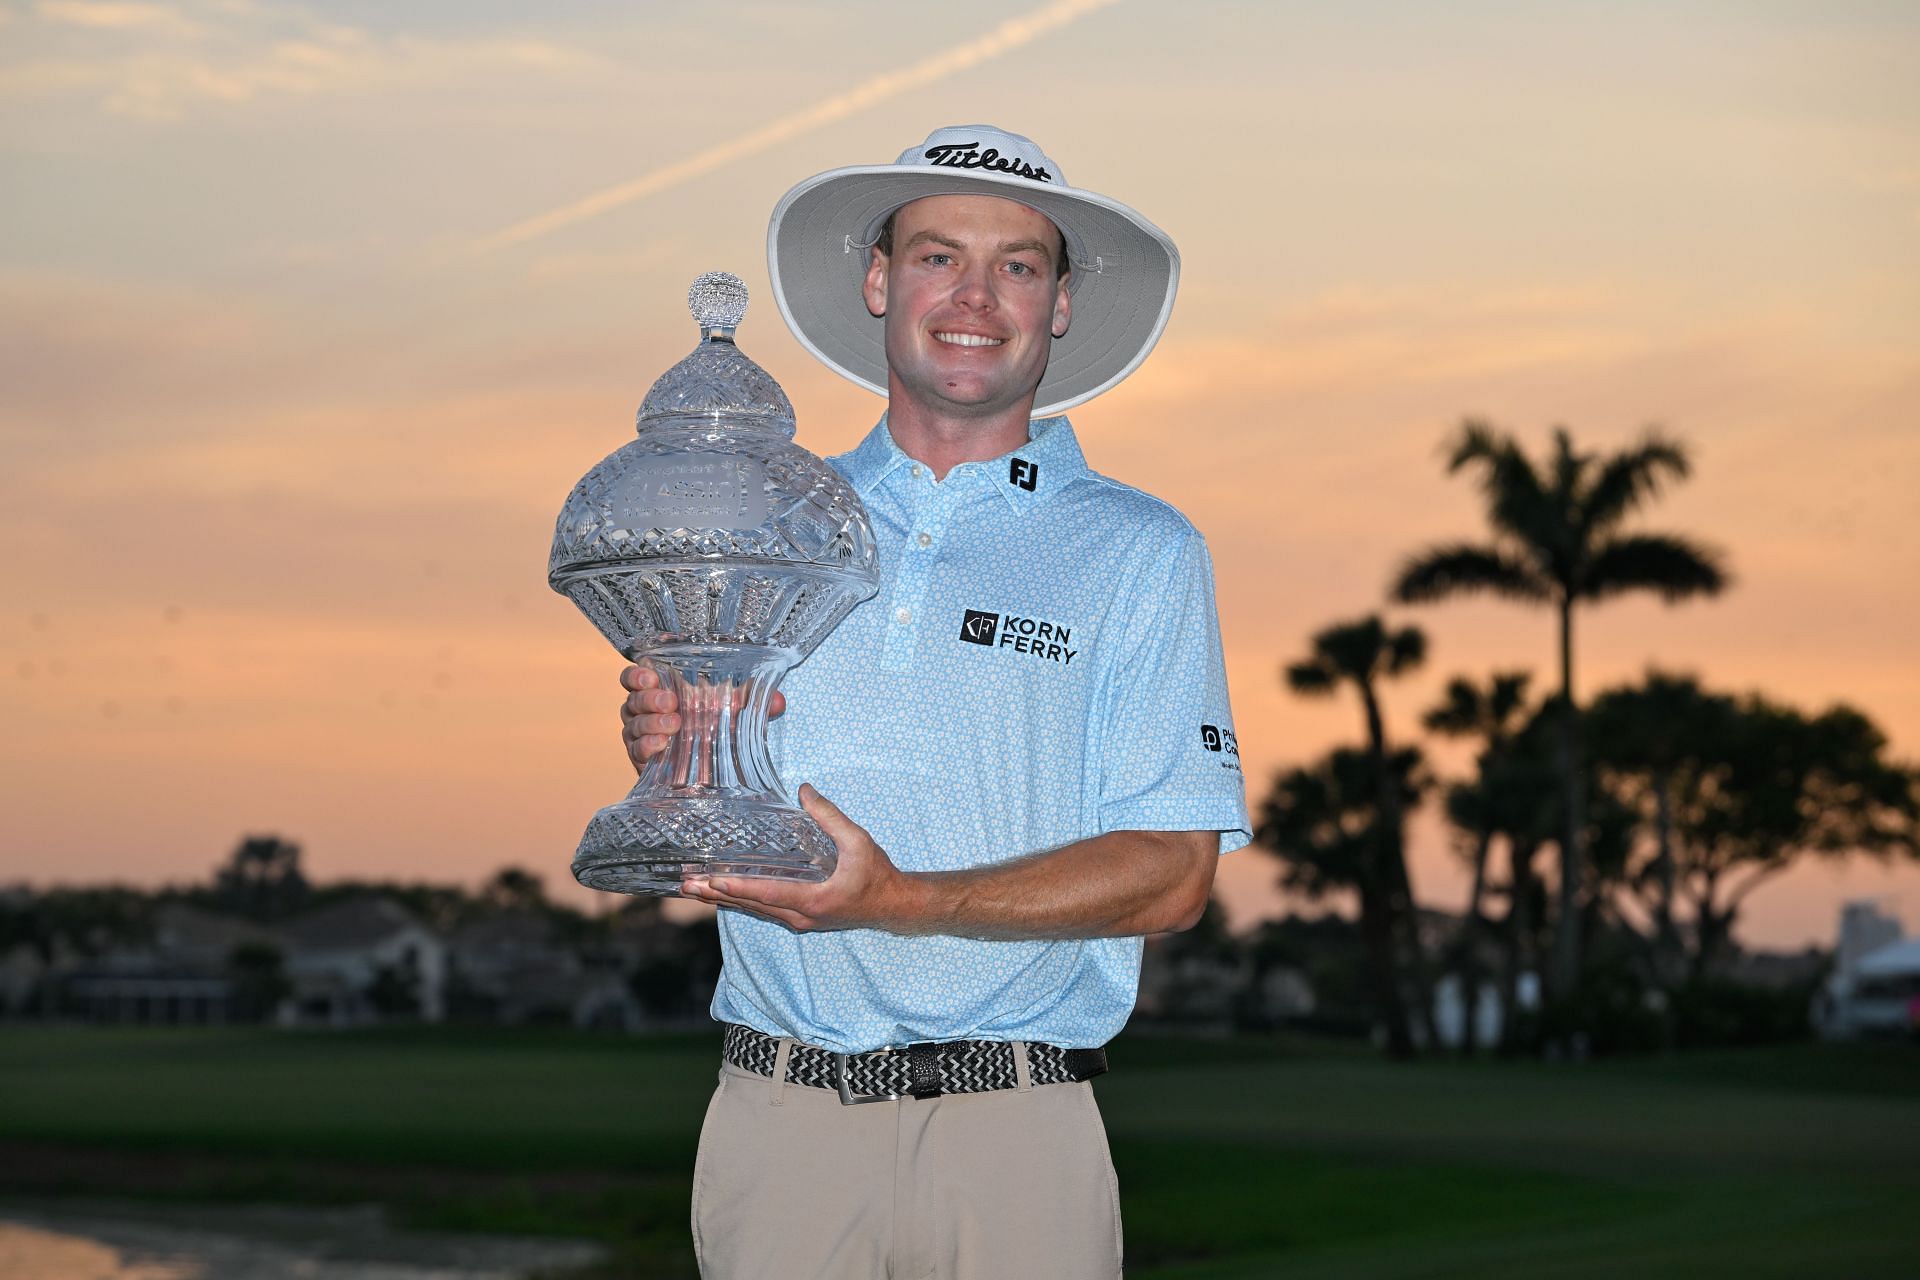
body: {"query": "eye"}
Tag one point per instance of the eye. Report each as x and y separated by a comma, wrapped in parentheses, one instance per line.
(937, 259)
(1020, 268)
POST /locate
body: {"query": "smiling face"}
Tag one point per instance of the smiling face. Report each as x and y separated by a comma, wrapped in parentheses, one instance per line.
(973, 299)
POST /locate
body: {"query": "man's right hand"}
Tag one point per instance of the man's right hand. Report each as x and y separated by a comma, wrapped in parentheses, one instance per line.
(650, 716)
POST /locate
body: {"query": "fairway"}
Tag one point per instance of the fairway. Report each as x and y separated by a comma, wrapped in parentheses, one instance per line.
(1242, 1158)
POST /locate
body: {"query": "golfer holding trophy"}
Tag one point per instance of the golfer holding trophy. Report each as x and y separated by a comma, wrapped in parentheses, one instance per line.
(1012, 728)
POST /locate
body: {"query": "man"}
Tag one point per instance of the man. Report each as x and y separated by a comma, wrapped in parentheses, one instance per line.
(1021, 748)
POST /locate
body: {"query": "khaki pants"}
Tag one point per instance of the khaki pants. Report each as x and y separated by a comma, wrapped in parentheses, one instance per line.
(791, 1184)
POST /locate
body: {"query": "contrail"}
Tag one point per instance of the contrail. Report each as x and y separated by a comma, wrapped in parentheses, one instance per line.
(1008, 36)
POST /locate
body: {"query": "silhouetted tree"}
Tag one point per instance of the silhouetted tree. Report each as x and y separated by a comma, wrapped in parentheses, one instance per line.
(1557, 541)
(1652, 742)
(515, 889)
(1490, 716)
(1324, 823)
(262, 879)
(1779, 785)
(1524, 796)
(1362, 654)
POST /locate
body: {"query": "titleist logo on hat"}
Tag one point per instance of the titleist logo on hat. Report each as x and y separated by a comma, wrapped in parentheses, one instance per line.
(970, 155)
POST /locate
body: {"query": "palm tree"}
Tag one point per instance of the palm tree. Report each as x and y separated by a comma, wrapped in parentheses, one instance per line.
(1323, 822)
(1557, 540)
(1362, 654)
(1519, 799)
(1491, 716)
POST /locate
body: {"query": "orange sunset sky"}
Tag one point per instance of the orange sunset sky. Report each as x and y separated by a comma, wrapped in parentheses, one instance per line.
(312, 315)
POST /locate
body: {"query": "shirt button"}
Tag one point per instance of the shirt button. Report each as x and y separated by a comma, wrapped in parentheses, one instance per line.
(925, 539)
(918, 471)
(903, 616)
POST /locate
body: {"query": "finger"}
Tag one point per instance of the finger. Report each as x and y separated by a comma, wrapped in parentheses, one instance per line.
(651, 700)
(790, 900)
(647, 738)
(651, 724)
(781, 895)
(637, 677)
(838, 826)
(703, 890)
(776, 705)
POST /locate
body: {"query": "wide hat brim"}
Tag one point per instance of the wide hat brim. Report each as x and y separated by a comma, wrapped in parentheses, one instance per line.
(1125, 273)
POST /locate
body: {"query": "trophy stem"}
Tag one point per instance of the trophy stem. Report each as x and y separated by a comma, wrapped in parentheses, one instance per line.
(720, 751)
(710, 804)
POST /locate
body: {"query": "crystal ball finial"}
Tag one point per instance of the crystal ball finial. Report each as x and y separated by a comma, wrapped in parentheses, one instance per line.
(718, 300)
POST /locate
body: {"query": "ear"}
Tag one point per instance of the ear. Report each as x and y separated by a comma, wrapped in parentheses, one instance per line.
(874, 289)
(1062, 308)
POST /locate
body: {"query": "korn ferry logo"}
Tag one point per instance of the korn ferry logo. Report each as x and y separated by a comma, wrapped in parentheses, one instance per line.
(1031, 636)
(978, 627)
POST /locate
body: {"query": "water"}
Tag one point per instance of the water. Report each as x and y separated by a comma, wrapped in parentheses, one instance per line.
(102, 1240)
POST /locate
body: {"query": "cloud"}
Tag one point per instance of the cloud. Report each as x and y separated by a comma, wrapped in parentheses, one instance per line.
(556, 268)
(1005, 38)
(160, 62)
(1350, 339)
(103, 16)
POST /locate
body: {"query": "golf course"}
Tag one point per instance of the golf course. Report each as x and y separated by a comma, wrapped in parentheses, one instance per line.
(1237, 1157)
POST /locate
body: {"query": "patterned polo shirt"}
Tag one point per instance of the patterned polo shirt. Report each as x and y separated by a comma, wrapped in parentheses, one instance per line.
(1040, 665)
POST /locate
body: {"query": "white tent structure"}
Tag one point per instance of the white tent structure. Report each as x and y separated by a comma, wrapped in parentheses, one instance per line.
(1880, 996)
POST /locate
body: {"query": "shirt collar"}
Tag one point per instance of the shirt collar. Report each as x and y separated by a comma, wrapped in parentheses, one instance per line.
(1048, 462)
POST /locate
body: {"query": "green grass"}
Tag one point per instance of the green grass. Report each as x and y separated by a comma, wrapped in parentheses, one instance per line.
(1237, 1158)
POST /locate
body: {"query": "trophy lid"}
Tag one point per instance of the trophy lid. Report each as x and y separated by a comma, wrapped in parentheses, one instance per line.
(717, 384)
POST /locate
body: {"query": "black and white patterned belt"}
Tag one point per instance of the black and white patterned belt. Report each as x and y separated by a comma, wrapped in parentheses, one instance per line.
(924, 1070)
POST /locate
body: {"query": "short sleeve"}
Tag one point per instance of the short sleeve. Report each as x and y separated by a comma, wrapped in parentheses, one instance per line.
(1171, 760)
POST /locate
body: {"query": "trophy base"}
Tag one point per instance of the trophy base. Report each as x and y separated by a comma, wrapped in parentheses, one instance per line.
(649, 846)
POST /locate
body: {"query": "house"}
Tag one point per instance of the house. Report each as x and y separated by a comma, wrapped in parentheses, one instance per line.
(361, 961)
(509, 968)
(180, 978)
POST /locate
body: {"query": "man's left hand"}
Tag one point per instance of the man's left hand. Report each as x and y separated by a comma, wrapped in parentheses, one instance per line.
(865, 890)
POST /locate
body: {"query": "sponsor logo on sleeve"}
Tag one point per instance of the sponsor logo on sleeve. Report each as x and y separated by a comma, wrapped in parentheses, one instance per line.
(1222, 743)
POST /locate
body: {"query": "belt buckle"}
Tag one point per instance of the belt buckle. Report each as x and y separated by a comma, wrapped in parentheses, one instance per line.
(847, 1097)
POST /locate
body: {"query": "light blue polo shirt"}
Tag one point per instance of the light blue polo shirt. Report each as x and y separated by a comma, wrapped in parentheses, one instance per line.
(1040, 665)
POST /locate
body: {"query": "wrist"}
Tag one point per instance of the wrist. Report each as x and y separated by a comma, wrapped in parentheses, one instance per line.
(912, 906)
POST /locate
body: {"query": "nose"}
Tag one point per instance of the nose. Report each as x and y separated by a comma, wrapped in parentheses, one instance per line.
(974, 288)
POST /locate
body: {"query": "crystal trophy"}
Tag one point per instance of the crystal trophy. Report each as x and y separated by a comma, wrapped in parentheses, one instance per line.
(719, 552)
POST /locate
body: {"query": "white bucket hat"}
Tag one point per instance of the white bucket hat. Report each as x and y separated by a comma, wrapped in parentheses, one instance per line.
(1125, 269)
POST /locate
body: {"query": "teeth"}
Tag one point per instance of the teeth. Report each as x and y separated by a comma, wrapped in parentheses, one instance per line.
(969, 339)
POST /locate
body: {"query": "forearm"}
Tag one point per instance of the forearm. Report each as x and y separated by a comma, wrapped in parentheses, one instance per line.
(1121, 884)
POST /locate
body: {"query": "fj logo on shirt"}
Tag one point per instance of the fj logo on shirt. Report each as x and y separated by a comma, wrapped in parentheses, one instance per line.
(1223, 743)
(1022, 474)
(1030, 636)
